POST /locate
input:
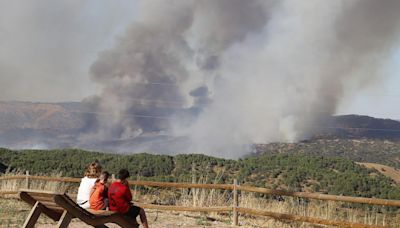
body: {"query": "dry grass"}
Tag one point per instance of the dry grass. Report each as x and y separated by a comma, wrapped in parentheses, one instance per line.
(14, 185)
(388, 171)
(12, 211)
(335, 211)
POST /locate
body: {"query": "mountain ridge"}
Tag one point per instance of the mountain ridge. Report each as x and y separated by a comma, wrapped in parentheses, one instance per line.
(25, 125)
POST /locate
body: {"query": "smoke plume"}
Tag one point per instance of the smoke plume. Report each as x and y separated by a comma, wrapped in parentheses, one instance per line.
(47, 46)
(225, 74)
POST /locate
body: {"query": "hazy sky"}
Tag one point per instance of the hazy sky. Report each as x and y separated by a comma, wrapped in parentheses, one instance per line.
(47, 47)
(379, 100)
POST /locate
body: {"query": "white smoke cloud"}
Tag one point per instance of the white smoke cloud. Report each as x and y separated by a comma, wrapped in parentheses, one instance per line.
(242, 72)
(46, 47)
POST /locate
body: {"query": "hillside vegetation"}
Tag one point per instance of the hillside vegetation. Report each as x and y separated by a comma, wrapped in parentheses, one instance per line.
(388, 171)
(358, 126)
(299, 172)
(360, 150)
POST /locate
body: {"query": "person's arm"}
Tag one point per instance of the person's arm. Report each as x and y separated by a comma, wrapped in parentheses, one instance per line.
(105, 191)
(92, 190)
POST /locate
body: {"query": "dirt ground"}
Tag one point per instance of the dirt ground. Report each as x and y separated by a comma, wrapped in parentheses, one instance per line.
(157, 219)
(385, 170)
(162, 220)
(13, 212)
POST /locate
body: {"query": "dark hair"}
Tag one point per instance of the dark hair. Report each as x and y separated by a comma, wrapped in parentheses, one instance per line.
(123, 174)
(105, 174)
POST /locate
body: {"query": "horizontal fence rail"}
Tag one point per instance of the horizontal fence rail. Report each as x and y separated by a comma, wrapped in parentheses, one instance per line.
(57, 179)
(235, 209)
(180, 185)
(244, 188)
(318, 196)
(184, 208)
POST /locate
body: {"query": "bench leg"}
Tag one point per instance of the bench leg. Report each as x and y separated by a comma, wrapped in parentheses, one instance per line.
(33, 216)
(64, 220)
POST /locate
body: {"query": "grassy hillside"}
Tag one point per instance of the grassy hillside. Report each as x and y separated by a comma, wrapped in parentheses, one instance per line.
(302, 172)
(298, 172)
(388, 171)
(360, 150)
(357, 126)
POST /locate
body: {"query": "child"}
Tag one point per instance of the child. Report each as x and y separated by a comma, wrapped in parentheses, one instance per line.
(98, 196)
(120, 198)
(92, 174)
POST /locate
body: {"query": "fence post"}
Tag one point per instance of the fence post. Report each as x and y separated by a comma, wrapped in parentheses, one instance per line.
(235, 220)
(194, 190)
(27, 180)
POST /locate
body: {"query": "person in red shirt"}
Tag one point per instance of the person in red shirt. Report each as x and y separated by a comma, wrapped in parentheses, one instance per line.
(98, 196)
(120, 198)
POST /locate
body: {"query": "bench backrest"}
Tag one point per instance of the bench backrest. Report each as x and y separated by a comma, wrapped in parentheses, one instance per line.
(68, 204)
(86, 216)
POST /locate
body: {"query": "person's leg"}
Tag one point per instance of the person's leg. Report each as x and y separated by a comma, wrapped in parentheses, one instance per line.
(134, 211)
(143, 218)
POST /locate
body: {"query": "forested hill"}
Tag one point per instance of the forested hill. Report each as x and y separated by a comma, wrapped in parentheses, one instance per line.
(298, 172)
(358, 126)
(360, 150)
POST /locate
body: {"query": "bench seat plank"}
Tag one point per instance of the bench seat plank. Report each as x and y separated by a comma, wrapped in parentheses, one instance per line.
(53, 212)
(101, 212)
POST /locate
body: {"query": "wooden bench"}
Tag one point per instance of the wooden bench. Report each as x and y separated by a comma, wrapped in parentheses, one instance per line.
(42, 202)
(61, 208)
(92, 217)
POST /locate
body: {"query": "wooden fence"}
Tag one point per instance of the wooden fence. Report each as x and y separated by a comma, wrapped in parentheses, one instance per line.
(235, 209)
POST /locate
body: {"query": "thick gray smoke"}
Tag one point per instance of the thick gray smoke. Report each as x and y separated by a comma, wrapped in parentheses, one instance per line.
(228, 73)
(46, 46)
